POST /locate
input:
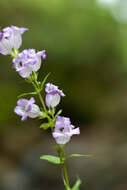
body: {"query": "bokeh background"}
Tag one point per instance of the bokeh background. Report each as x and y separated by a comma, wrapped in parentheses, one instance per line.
(86, 44)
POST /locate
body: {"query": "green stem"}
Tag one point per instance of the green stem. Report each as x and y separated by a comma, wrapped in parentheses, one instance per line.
(66, 176)
(43, 104)
(41, 99)
(61, 153)
(60, 149)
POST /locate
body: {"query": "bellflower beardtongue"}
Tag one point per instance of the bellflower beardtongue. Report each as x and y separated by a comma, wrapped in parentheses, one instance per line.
(27, 108)
(28, 61)
(64, 130)
(53, 95)
(11, 38)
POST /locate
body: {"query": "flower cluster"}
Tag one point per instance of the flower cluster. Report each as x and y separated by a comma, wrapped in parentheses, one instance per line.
(27, 63)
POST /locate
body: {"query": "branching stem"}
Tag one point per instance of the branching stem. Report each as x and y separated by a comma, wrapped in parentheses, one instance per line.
(60, 149)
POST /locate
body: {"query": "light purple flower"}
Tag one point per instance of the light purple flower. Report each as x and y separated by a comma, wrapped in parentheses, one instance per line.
(53, 95)
(11, 38)
(26, 108)
(28, 61)
(64, 130)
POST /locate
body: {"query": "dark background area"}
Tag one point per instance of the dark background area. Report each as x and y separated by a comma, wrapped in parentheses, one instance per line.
(86, 45)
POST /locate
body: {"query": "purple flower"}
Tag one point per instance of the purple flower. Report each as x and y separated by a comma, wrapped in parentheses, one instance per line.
(42, 54)
(64, 130)
(53, 95)
(26, 108)
(28, 61)
(11, 38)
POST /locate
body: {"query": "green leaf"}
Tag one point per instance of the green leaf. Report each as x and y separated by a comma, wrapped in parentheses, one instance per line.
(77, 185)
(45, 125)
(43, 115)
(51, 159)
(44, 80)
(27, 94)
(58, 113)
(79, 155)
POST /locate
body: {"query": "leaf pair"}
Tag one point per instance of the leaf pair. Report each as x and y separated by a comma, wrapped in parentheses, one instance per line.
(56, 159)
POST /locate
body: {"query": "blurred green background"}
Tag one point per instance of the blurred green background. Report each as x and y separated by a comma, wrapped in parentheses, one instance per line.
(86, 45)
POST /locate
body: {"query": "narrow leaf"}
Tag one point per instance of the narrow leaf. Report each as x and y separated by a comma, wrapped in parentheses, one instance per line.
(51, 159)
(77, 185)
(45, 125)
(79, 155)
(58, 113)
(27, 94)
(44, 80)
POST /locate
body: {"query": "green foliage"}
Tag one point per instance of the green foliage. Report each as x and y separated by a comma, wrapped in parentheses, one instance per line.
(79, 155)
(43, 115)
(44, 80)
(58, 113)
(27, 94)
(45, 126)
(51, 159)
(77, 185)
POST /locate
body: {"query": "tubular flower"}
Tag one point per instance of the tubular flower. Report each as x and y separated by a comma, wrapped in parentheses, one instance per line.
(26, 108)
(53, 95)
(11, 39)
(28, 61)
(64, 130)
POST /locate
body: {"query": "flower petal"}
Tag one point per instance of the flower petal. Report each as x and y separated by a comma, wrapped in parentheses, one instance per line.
(42, 54)
(22, 102)
(5, 46)
(62, 139)
(52, 100)
(10, 38)
(19, 111)
(64, 130)
(25, 72)
(35, 111)
(24, 117)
